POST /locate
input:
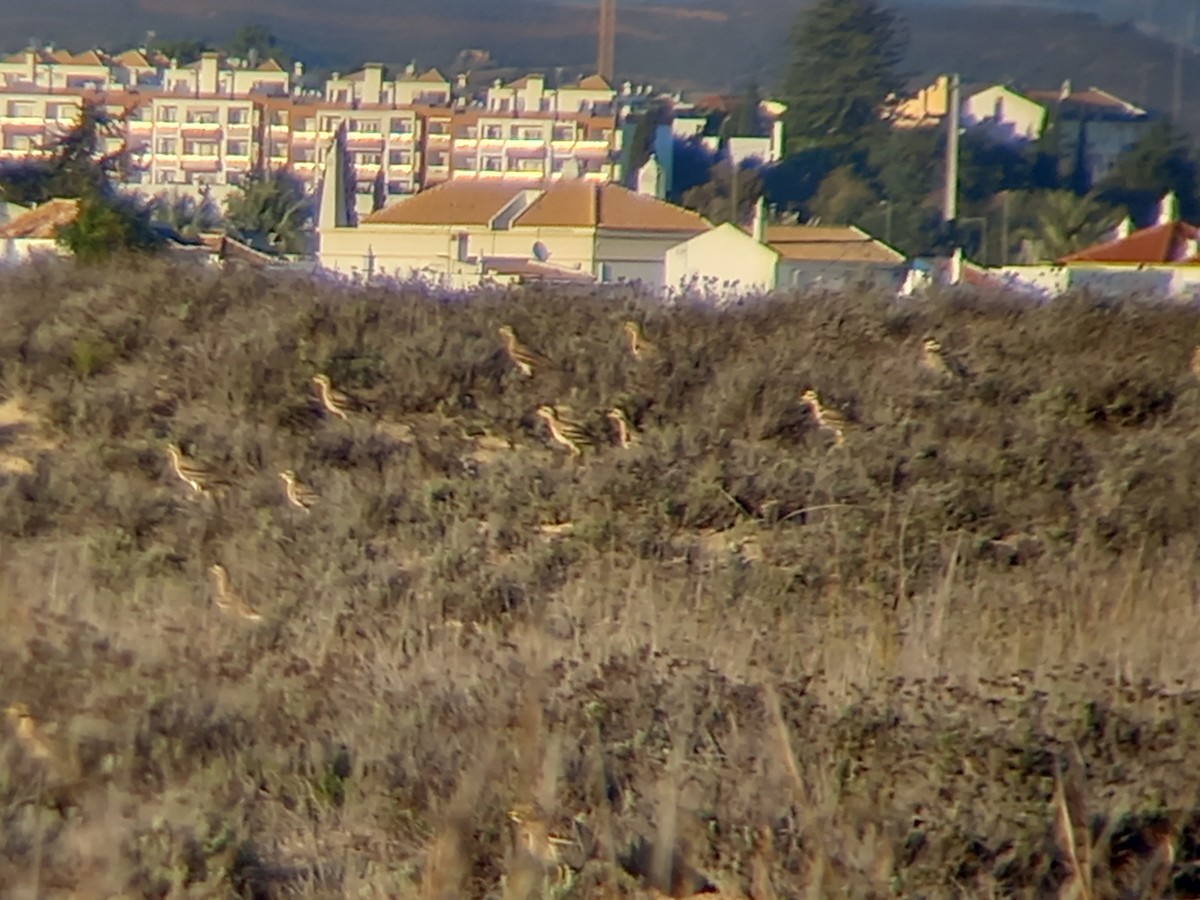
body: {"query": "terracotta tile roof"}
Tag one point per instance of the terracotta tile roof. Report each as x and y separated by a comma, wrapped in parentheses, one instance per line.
(131, 58)
(434, 75)
(570, 204)
(620, 207)
(1092, 97)
(451, 203)
(41, 222)
(829, 243)
(1172, 242)
(87, 58)
(269, 66)
(16, 57)
(594, 83)
(57, 56)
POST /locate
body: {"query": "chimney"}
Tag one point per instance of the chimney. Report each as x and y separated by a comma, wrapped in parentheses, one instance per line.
(1124, 228)
(1168, 208)
(956, 266)
(1065, 91)
(410, 71)
(372, 82)
(759, 229)
(209, 64)
(1191, 248)
(297, 69)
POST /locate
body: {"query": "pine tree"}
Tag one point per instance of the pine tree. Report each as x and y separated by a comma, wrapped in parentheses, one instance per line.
(845, 56)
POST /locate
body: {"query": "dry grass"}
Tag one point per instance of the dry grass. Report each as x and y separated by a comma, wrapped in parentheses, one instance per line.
(951, 656)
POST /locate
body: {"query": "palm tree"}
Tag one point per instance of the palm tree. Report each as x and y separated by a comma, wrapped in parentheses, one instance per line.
(1064, 222)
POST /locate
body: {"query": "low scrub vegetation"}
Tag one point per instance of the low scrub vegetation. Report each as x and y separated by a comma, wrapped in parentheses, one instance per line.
(942, 648)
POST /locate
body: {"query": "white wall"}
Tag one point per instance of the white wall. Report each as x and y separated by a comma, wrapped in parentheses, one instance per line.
(821, 275)
(723, 259)
(1006, 114)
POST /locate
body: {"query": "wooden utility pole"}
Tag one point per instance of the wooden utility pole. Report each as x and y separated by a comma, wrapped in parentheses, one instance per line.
(950, 199)
(606, 51)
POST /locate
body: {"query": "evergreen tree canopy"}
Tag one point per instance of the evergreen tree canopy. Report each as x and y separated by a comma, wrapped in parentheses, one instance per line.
(1158, 163)
(845, 55)
(271, 213)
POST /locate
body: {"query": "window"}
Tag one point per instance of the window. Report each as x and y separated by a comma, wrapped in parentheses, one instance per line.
(364, 126)
(439, 127)
(466, 164)
(397, 187)
(399, 157)
(168, 114)
(309, 124)
(527, 134)
(18, 142)
(202, 116)
(239, 116)
(330, 123)
(402, 126)
(437, 160)
(493, 132)
(167, 146)
(60, 111)
(21, 109)
(279, 149)
(237, 148)
(305, 154)
(367, 159)
(491, 164)
(279, 117)
(528, 165)
(200, 148)
(167, 176)
(564, 133)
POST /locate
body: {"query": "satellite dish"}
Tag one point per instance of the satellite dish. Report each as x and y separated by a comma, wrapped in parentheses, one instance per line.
(540, 252)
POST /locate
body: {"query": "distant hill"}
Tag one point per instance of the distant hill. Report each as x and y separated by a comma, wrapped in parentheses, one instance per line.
(698, 45)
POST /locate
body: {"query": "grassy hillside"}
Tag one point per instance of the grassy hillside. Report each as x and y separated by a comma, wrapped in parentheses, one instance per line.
(953, 655)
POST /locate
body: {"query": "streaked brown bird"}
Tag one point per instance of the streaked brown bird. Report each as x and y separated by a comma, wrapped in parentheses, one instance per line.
(622, 427)
(200, 478)
(635, 337)
(523, 357)
(335, 402)
(936, 361)
(227, 600)
(570, 434)
(826, 418)
(298, 495)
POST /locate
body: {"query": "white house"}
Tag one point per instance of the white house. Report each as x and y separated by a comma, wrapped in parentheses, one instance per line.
(601, 231)
(723, 260)
(1005, 114)
(35, 230)
(728, 260)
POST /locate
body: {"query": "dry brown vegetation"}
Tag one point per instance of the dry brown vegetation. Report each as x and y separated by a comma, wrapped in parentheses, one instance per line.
(953, 656)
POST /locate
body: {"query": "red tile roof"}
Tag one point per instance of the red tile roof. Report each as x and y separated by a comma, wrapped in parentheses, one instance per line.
(1173, 242)
(593, 83)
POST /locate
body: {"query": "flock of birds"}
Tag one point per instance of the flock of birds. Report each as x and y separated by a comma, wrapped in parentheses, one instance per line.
(563, 430)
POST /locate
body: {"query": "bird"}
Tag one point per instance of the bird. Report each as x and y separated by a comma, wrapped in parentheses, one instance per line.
(624, 429)
(226, 599)
(533, 837)
(196, 476)
(335, 402)
(638, 345)
(298, 495)
(827, 418)
(523, 357)
(936, 361)
(570, 434)
(27, 732)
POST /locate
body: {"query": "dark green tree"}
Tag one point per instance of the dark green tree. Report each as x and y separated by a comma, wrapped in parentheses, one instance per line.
(641, 143)
(714, 199)
(844, 69)
(256, 43)
(186, 214)
(745, 120)
(272, 212)
(1160, 162)
(182, 51)
(78, 165)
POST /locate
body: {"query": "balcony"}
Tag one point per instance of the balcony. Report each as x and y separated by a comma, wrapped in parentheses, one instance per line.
(194, 163)
(201, 128)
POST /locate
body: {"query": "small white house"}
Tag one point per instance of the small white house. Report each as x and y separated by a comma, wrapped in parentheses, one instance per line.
(730, 261)
(1004, 114)
(35, 230)
(724, 260)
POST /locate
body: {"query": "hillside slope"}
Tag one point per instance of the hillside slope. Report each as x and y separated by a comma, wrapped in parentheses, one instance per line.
(808, 666)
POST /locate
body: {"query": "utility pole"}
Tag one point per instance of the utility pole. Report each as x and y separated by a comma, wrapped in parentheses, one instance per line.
(950, 200)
